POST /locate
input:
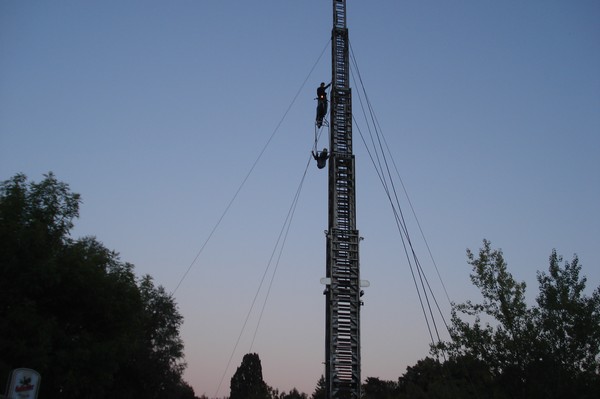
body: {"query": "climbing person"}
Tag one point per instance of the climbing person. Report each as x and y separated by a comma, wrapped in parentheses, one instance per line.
(322, 103)
(321, 158)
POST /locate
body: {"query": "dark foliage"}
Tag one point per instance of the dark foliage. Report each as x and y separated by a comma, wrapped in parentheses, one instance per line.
(73, 311)
(501, 348)
(293, 394)
(551, 350)
(374, 388)
(320, 390)
(247, 382)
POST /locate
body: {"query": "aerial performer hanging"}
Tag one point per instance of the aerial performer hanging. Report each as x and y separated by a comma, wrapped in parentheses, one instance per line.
(322, 103)
(321, 157)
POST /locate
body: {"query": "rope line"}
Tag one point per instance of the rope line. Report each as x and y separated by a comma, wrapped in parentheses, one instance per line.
(283, 233)
(281, 238)
(425, 285)
(412, 209)
(379, 159)
(239, 189)
(288, 220)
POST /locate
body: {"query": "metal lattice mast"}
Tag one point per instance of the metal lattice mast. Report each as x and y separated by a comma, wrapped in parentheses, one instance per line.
(342, 347)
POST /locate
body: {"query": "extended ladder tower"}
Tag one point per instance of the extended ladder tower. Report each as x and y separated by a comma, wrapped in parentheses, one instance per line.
(342, 346)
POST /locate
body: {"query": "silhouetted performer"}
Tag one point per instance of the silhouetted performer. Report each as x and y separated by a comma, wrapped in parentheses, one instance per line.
(321, 158)
(322, 104)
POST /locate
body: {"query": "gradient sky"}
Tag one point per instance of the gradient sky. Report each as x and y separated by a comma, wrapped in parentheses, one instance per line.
(155, 111)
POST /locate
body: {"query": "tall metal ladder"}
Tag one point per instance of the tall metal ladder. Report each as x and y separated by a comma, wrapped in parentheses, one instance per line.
(342, 347)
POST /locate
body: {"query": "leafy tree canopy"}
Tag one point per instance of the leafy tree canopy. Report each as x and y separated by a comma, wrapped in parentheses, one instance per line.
(247, 382)
(550, 350)
(72, 310)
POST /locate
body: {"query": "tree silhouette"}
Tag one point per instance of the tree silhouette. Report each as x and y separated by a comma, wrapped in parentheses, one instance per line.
(551, 350)
(320, 390)
(247, 382)
(72, 310)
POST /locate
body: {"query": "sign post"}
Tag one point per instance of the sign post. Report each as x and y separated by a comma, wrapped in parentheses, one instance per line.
(24, 384)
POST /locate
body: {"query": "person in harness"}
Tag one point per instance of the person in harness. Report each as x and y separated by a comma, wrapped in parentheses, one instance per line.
(321, 158)
(322, 103)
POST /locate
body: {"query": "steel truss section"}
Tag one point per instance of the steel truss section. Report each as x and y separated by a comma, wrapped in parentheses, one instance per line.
(343, 291)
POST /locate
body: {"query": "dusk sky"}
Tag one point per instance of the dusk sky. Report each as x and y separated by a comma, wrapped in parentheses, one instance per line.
(156, 111)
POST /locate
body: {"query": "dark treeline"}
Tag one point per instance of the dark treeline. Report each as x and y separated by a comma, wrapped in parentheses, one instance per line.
(73, 311)
(548, 350)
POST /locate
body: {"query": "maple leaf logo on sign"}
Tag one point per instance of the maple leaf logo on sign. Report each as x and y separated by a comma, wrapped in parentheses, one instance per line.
(24, 384)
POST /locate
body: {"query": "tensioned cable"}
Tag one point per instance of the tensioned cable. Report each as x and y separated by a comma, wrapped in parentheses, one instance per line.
(401, 227)
(378, 126)
(399, 218)
(287, 222)
(289, 217)
(283, 233)
(401, 224)
(239, 189)
(398, 224)
(400, 221)
(419, 268)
